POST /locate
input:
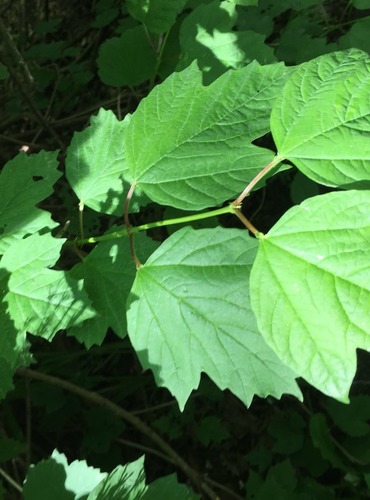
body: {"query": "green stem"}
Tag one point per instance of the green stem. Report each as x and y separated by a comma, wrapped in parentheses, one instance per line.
(183, 220)
(144, 227)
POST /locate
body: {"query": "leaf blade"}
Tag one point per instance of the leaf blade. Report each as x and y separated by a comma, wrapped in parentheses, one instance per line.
(310, 292)
(189, 313)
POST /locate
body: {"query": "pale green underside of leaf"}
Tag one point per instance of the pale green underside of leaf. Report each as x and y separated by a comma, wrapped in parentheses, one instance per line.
(310, 288)
(25, 181)
(190, 146)
(189, 313)
(96, 167)
(321, 122)
(40, 300)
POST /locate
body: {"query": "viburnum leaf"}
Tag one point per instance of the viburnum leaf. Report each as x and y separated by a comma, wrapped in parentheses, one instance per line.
(189, 313)
(13, 348)
(25, 181)
(208, 35)
(41, 300)
(55, 478)
(128, 59)
(96, 166)
(108, 273)
(310, 288)
(321, 121)
(190, 146)
(157, 15)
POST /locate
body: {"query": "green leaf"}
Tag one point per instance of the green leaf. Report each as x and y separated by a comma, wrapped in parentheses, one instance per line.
(321, 438)
(168, 487)
(189, 313)
(321, 120)
(40, 300)
(108, 273)
(207, 35)
(190, 146)
(25, 181)
(127, 60)
(352, 419)
(361, 4)
(96, 166)
(3, 72)
(357, 35)
(54, 478)
(245, 3)
(310, 288)
(13, 348)
(124, 483)
(157, 15)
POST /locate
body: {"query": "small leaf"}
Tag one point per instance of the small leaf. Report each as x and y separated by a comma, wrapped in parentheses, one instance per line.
(310, 288)
(321, 120)
(157, 15)
(40, 300)
(25, 181)
(96, 165)
(13, 348)
(189, 313)
(55, 478)
(124, 483)
(127, 60)
(190, 146)
(207, 35)
(108, 273)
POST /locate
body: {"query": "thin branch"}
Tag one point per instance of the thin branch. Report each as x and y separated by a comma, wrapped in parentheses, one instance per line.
(10, 480)
(93, 397)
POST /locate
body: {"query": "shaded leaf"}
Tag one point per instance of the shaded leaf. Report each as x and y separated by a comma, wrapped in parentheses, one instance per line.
(157, 15)
(108, 273)
(25, 181)
(40, 300)
(127, 60)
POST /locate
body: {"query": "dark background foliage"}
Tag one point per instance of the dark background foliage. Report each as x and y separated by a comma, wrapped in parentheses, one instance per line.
(58, 60)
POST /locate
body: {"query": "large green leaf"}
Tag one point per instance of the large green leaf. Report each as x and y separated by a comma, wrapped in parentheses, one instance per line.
(321, 122)
(310, 288)
(190, 146)
(157, 15)
(41, 300)
(189, 313)
(25, 181)
(96, 166)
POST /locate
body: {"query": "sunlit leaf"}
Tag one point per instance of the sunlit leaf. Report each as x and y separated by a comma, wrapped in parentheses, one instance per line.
(310, 288)
(189, 313)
